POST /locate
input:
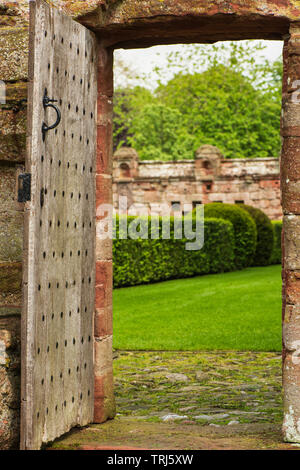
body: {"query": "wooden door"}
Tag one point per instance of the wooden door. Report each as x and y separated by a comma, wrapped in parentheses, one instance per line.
(59, 259)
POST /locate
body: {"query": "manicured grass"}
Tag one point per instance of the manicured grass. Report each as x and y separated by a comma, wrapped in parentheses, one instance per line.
(233, 311)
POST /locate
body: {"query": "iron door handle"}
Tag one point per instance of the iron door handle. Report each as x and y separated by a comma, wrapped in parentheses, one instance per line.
(48, 103)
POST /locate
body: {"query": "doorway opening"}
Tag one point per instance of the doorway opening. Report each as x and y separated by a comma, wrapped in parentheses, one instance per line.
(172, 362)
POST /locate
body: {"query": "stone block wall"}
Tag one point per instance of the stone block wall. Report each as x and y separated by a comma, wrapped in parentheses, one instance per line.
(104, 393)
(290, 182)
(155, 185)
(9, 378)
(13, 72)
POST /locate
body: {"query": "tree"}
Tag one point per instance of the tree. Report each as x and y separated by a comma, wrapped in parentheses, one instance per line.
(158, 133)
(246, 57)
(222, 107)
(128, 104)
(219, 95)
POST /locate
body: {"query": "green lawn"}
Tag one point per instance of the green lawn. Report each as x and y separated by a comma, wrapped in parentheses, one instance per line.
(234, 311)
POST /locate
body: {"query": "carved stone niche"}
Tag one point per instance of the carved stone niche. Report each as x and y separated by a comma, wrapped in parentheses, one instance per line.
(207, 162)
(125, 164)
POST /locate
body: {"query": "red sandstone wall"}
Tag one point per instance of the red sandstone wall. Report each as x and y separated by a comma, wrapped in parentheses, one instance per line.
(254, 181)
(104, 395)
(13, 71)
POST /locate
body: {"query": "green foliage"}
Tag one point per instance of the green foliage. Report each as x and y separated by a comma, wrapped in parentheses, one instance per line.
(158, 133)
(128, 104)
(244, 57)
(143, 260)
(219, 95)
(265, 235)
(221, 107)
(244, 230)
(276, 254)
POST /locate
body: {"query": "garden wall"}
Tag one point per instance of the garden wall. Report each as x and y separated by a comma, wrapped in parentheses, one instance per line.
(13, 71)
(149, 185)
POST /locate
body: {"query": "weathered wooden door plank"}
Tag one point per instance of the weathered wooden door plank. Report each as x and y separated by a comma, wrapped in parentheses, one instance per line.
(59, 260)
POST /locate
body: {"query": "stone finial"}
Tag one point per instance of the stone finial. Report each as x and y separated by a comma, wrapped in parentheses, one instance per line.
(126, 153)
(208, 151)
(125, 164)
(208, 162)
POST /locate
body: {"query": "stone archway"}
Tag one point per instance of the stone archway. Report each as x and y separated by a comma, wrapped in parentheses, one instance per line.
(143, 23)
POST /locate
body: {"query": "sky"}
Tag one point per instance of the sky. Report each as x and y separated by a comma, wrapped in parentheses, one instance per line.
(144, 61)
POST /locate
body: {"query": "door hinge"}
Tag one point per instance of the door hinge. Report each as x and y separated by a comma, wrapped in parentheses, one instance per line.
(24, 187)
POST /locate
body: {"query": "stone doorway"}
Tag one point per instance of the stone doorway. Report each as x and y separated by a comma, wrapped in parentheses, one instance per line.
(130, 24)
(289, 132)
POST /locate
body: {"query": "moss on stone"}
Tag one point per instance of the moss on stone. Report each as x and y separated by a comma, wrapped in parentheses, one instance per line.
(13, 147)
(11, 237)
(14, 53)
(10, 277)
(244, 385)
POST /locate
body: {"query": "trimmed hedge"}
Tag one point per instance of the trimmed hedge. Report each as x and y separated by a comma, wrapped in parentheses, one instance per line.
(265, 236)
(245, 233)
(276, 254)
(142, 261)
